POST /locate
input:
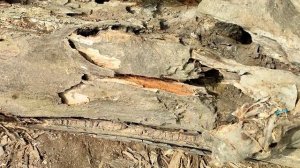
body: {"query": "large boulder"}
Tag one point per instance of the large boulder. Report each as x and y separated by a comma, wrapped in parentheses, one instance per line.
(274, 24)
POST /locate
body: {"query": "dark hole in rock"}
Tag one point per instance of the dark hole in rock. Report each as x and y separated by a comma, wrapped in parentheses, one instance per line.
(127, 29)
(163, 24)
(129, 10)
(88, 31)
(72, 45)
(85, 77)
(233, 31)
(101, 1)
(116, 27)
(213, 76)
(120, 27)
(273, 145)
(75, 14)
(245, 38)
(210, 77)
(1, 39)
(24, 2)
(133, 30)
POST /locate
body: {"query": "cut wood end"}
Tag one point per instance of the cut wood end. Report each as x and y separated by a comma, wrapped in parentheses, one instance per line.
(169, 86)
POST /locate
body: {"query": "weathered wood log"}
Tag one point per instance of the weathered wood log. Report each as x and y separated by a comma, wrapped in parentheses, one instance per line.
(141, 80)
